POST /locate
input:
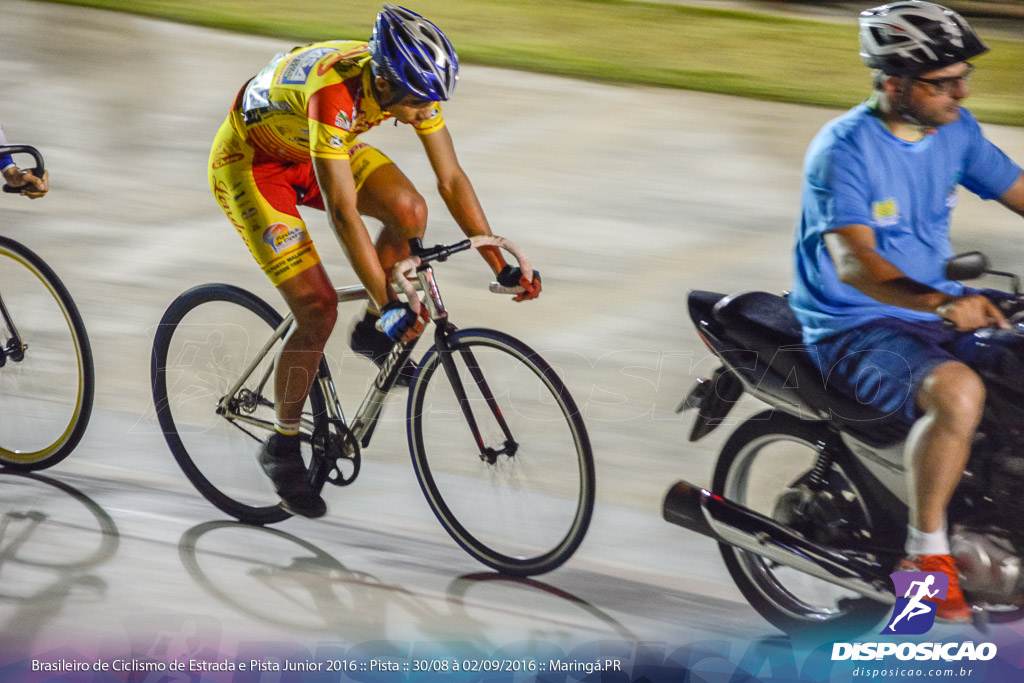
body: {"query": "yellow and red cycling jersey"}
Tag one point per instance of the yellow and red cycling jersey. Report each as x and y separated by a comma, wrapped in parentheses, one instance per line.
(313, 102)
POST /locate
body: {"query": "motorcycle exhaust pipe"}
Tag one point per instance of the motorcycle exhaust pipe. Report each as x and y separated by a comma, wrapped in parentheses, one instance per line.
(699, 510)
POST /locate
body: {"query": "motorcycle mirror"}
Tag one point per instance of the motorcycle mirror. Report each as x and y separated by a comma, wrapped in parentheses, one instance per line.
(967, 266)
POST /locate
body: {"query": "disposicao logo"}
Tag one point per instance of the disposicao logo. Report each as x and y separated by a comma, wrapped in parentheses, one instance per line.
(914, 613)
(917, 598)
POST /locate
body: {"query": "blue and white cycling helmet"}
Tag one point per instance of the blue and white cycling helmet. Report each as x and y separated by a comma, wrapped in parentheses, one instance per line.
(413, 54)
(913, 37)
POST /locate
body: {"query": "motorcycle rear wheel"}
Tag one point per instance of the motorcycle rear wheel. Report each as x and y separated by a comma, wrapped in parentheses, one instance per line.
(762, 461)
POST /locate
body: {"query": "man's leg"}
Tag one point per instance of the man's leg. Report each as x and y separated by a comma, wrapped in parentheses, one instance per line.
(389, 196)
(311, 298)
(952, 397)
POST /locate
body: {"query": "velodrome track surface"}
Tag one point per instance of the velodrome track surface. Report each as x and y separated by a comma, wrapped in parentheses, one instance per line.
(624, 197)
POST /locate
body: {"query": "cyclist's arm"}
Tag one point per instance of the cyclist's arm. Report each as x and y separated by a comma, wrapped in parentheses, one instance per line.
(858, 264)
(1013, 198)
(338, 188)
(458, 193)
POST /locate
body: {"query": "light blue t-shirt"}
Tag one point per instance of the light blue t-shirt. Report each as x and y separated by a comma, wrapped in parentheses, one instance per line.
(858, 173)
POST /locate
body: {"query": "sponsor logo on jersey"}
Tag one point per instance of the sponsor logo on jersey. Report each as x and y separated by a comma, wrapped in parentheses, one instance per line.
(885, 213)
(229, 159)
(951, 197)
(281, 236)
(342, 121)
(336, 142)
(297, 69)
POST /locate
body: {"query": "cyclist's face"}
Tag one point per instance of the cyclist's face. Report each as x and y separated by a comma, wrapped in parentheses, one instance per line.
(934, 97)
(412, 109)
(409, 109)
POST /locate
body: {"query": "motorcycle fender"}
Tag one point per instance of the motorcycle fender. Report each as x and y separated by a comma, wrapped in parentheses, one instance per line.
(713, 397)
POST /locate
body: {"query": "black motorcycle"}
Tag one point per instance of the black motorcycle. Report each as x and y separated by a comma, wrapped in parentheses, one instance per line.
(807, 498)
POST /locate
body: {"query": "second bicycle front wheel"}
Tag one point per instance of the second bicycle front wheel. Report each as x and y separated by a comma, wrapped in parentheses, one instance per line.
(519, 501)
(47, 378)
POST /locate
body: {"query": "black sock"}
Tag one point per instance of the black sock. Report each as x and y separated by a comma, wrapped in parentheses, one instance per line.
(284, 443)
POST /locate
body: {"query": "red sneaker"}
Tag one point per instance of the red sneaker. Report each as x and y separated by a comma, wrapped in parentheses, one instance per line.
(954, 609)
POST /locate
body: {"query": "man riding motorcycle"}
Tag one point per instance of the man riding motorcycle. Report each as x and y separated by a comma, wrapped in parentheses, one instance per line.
(869, 288)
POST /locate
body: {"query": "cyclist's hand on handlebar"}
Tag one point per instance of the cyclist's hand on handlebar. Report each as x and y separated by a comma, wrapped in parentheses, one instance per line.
(513, 277)
(971, 312)
(400, 323)
(32, 186)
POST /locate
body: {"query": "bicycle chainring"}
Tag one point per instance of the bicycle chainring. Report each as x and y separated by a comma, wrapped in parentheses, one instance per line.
(337, 446)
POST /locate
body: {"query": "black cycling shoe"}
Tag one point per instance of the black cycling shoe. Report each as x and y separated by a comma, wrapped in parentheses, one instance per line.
(367, 340)
(280, 459)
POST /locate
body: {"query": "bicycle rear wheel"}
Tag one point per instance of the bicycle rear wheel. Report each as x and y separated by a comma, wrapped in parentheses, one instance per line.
(525, 510)
(206, 340)
(47, 381)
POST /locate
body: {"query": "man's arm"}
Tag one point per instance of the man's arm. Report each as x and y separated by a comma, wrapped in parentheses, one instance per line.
(858, 264)
(338, 188)
(1013, 198)
(458, 193)
(460, 198)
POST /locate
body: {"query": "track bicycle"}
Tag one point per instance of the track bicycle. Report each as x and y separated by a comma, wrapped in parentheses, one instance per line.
(497, 443)
(47, 379)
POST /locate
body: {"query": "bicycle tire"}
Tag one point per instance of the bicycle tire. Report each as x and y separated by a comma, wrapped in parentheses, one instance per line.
(565, 484)
(56, 348)
(243, 492)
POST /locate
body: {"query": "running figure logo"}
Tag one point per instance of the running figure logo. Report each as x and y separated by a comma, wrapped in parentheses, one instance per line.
(914, 613)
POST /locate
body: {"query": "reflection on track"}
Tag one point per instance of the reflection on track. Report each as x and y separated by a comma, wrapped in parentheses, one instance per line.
(512, 594)
(48, 548)
(285, 581)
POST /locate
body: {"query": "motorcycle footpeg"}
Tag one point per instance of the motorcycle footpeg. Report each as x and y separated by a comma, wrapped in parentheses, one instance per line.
(696, 395)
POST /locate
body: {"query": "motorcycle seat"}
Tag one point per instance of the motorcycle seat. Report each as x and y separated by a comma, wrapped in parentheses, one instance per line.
(764, 323)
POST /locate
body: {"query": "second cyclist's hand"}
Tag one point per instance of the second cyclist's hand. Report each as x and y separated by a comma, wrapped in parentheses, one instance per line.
(31, 186)
(400, 323)
(971, 312)
(513, 277)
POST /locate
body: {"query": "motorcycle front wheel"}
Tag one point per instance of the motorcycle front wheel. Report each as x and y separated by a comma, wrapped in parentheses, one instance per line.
(763, 466)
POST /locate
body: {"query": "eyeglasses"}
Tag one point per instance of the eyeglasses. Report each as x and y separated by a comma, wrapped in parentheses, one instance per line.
(944, 86)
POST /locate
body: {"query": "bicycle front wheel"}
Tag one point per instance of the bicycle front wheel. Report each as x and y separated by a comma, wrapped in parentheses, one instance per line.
(206, 341)
(47, 379)
(520, 499)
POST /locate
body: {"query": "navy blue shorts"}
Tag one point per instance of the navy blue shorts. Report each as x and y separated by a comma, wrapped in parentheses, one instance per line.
(881, 364)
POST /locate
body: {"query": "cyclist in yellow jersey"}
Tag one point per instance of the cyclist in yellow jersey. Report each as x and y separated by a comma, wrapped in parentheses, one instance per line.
(290, 140)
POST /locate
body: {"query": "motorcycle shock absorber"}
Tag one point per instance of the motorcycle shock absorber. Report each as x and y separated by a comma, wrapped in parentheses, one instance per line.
(816, 478)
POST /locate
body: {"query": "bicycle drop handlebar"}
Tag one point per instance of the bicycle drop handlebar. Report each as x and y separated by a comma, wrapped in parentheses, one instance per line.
(421, 256)
(23, 149)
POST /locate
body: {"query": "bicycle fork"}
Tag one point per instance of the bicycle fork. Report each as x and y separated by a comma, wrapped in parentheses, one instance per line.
(15, 347)
(446, 356)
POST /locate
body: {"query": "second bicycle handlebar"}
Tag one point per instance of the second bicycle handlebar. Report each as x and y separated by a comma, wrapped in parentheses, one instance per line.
(441, 252)
(23, 149)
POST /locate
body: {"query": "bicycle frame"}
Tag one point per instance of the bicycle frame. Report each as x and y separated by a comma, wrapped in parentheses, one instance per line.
(368, 413)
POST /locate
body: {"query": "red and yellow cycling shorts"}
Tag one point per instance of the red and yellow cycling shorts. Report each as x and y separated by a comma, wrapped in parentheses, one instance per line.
(260, 196)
